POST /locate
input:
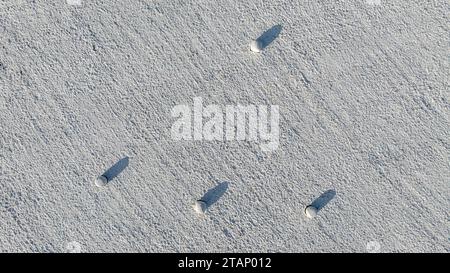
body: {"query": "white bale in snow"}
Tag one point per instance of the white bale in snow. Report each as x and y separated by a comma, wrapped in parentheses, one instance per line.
(256, 46)
(310, 212)
(101, 181)
(200, 206)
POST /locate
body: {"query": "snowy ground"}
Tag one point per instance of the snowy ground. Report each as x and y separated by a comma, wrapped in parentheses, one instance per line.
(363, 91)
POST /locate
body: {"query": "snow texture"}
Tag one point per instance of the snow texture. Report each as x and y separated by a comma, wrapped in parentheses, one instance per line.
(363, 91)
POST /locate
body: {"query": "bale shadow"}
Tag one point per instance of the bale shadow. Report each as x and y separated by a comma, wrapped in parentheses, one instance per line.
(269, 36)
(323, 199)
(214, 194)
(117, 168)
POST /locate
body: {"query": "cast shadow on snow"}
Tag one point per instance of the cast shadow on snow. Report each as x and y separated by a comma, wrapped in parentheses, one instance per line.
(269, 36)
(214, 194)
(117, 168)
(323, 199)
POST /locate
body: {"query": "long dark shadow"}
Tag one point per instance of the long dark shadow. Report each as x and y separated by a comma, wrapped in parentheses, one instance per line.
(323, 199)
(117, 168)
(214, 194)
(269, 36)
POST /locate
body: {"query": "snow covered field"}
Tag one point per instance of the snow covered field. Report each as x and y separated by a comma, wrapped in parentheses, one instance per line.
(364, 118)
